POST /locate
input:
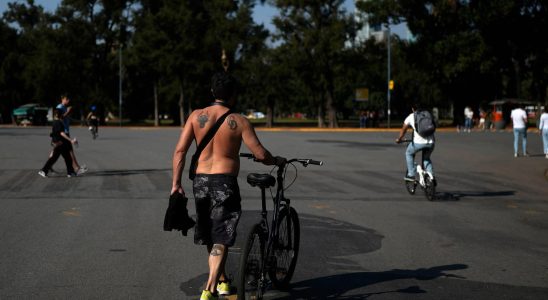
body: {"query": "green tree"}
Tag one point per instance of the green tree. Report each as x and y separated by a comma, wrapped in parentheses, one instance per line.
(314, 33)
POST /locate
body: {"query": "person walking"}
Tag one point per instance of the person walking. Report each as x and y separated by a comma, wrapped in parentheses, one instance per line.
(468, 119)
(543, 130)
(61, 146)
(67, 110)
(215, 184)
(519, 121)
(425, 143)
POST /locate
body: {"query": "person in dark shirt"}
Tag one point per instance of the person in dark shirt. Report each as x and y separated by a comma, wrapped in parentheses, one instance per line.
(61, 146)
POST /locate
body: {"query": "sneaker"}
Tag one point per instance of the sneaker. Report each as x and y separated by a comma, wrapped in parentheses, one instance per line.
(207, 295)
(83, 169)
(546, 155)
(409, 178)
(516, 155)
(43, 174)
(223, 288)
(72, 175)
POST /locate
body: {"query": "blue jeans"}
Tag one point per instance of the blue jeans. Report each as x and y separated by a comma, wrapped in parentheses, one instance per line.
(523, 133)
(467, 123)
(412, 149)
(545, 140)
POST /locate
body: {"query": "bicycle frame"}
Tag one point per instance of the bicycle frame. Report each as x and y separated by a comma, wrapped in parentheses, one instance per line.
(272, 231)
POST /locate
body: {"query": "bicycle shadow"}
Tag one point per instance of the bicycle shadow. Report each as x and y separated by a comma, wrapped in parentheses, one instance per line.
(324, 244)
(335, 286)
(457, 195)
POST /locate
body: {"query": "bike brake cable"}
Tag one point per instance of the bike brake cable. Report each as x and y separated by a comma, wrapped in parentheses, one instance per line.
(294, 179)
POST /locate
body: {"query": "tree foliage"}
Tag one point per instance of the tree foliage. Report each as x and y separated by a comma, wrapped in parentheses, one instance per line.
(462, 53)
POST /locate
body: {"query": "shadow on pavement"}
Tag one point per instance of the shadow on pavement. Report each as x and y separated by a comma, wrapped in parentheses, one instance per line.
(352, 144)
(455, 196)
(335, 286)
(123, 172)
(326, 244)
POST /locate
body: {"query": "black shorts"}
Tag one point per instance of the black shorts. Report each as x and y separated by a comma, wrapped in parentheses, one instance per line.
(218, 209)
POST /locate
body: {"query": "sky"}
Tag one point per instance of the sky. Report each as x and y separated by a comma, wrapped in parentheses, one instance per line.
(262, 14)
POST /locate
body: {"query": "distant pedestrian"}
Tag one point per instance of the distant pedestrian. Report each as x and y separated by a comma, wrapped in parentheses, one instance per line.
(488, 120)
(481, 120)
(363, 119)
(67, 110)
(61, 146)
(519, 121)
(468, 119)
(543, 130)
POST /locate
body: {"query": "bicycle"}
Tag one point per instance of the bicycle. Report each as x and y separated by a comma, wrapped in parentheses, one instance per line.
(426, 179)
(93, 129)
(273, 250)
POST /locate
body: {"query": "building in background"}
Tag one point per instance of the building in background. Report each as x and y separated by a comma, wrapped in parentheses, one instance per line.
(377, 31)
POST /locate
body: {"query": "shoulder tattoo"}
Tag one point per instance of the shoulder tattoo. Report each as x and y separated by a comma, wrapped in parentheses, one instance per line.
(232, 123)
(203, 120)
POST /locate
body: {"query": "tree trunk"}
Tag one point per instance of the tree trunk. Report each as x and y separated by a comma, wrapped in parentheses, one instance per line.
(182, 105)
(156, 119)
(320, 116)
(332, 111)
(269, 112)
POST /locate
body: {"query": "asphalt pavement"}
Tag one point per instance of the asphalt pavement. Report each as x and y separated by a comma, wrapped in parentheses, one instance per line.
(99, 236)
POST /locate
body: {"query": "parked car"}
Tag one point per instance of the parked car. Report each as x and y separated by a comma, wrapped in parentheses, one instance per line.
(31, 114)
(256, 115)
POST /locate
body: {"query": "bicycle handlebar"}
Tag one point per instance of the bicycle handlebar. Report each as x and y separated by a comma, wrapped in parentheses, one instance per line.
(304, 161)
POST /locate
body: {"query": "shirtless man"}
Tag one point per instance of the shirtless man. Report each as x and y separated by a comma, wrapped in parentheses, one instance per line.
(215, 186)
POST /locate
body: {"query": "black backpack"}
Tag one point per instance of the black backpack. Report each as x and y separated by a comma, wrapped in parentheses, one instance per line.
(424, 123)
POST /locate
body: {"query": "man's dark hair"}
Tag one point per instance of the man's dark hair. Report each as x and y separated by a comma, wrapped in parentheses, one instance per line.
(223, 86)
(416, 106)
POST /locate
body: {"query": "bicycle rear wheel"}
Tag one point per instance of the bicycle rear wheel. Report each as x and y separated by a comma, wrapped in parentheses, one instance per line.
(286, 248)
(430, 188)
(250, 281)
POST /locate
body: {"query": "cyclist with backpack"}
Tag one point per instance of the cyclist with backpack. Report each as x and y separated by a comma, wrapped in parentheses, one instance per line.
(423, 125)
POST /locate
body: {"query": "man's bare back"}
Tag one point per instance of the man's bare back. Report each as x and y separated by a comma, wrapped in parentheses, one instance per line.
(221, 155)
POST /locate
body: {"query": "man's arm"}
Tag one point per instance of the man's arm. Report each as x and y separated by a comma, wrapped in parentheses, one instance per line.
(69, 110)
(179, 155)
(66, 137)
(402, 132)
(252, 142)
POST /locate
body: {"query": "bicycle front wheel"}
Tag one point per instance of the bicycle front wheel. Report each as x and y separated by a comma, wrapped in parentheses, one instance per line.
(285, 248)
(430, 188)
(250, 283)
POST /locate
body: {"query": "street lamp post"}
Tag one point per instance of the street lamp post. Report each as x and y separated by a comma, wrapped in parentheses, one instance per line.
(120, 83)
(388, 71)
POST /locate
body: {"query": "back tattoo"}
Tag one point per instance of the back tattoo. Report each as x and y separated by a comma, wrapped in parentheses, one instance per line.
(203, 120)
(232, 123)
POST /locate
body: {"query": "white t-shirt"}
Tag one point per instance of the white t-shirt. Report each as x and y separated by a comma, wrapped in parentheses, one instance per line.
(417, 139)
(543, 122)
(518, 115)
(468, 113)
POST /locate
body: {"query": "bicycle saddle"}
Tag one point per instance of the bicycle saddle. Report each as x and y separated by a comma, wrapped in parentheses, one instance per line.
(261, 180)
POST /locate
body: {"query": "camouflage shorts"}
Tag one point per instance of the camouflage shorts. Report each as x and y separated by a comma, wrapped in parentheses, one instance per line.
(218, 209)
